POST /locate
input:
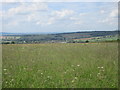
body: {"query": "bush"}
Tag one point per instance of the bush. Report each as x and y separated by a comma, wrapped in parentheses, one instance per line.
(12, 42)
(86, 41)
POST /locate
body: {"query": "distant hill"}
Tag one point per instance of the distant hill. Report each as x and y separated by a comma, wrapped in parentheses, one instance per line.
(82, 32)
(7, 33)
(60, 37)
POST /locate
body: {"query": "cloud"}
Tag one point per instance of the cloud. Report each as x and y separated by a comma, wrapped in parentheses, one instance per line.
(78, 22)
(62, 13)
(102, 11)
(111, 17)
(13, 1)
(107, 20)
(13, 23)
(1, 13)
(42, 16)
(114, 13)
(54, 17)
(59, 1)
(24, 12)
(80, 18)
(49, 21)
(25, 8)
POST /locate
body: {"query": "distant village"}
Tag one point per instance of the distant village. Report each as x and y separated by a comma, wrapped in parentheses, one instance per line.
(75, 37)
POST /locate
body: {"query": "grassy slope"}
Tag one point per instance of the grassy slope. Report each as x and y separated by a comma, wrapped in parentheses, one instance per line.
(60, 65)
(61, 36)
(98, 39)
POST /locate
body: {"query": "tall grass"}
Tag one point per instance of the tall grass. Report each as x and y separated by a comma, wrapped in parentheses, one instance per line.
(92, 65)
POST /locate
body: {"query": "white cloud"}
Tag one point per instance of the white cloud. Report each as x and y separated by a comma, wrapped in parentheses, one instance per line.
(31, 17)
(105, 20)
(46, 22)
(26, 8)
(34, 16)
(51, 20)
(13, 1)
(78, 22)
(13, 23)
(111, 17)
(59, 1)
(108, 20)
(80, 18)
(54, 17)
(63, 13)
(83, 14)
(1, 13)
(24, 12)
(73, 18)
(102, 11)
(44, 16)
(114, 13)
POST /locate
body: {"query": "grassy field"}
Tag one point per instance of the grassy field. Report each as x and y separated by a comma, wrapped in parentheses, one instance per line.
(75, 65)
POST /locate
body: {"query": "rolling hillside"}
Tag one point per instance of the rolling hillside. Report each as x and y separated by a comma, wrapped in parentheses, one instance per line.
(61, 37)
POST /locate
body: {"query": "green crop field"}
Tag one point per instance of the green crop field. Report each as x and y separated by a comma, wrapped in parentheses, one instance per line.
(55, 65)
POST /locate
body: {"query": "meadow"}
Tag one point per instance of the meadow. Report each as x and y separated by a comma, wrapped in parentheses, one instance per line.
(60, 65)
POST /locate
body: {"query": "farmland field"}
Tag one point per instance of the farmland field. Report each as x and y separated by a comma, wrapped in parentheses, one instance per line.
(60, 65)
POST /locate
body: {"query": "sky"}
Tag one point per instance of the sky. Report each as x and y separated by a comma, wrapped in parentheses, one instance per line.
(18, 17)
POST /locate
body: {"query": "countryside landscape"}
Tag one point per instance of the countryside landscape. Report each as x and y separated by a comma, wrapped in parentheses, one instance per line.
(61, 65)
(59, 45)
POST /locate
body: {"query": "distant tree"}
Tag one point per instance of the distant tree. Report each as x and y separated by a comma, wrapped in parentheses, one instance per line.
(118, 39)
(5, 42)
(73, 42)
(86, 41)
(12, 42)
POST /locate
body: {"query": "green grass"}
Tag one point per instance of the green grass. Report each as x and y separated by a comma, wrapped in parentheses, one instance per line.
(112, 38)
(101, 39)
(86, 65)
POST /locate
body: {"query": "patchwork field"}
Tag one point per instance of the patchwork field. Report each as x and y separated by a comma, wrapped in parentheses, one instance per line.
(67, 65)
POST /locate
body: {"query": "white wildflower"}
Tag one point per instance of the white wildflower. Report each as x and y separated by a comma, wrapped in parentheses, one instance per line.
(73, 81)
(65, 72)
(76, 78)
(12, 79)
(78, 65)
(48, 76)
(4, 69)
(38, 70)
(100, 67)
(72, 65)
(103, 70)
(98, 73)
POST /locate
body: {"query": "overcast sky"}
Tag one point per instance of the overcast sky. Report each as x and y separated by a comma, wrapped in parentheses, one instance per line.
(59, 16)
